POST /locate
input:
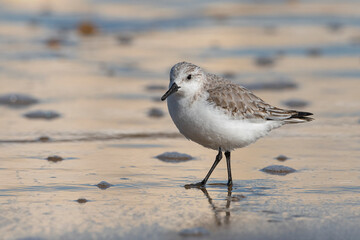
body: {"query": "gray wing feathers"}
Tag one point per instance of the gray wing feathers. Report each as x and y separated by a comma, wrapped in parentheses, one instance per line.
(241, 103)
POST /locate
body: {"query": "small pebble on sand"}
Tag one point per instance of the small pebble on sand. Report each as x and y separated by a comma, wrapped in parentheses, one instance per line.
(278, 170)
(87, 28)
(154, 87)
(313, 52)
(274, 220)
(53, 43)
(103, 185)
(44, 139)
(40, 114)
(174, 157)
(265, 61)
(229, 75)
(155, 113)
(281, 158)
(17, 100)
(54, 158)
(125, 39)
(334, 26)
(82, 200)
(296, 103)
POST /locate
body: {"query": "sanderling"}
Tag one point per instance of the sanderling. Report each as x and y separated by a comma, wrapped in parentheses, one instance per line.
(219, 114)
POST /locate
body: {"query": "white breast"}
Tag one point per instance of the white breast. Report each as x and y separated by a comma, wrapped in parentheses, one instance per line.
(211, 127)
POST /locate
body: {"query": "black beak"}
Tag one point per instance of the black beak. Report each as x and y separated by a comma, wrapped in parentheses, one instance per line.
(173, 89)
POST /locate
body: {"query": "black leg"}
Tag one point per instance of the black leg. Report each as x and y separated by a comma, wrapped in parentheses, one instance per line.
(203, 182)
(217, 160)
(227, 155)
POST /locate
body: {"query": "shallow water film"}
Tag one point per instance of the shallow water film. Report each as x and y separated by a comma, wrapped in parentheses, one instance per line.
(88, 150)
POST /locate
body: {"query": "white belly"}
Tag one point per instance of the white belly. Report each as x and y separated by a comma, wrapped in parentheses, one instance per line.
(212, 128)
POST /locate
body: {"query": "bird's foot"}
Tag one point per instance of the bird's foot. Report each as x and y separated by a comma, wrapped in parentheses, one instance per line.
(195, 185)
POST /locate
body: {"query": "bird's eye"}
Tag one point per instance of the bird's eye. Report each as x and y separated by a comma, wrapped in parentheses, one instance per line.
(189, 77)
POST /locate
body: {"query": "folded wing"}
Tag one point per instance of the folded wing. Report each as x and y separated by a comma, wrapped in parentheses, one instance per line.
(241, 103)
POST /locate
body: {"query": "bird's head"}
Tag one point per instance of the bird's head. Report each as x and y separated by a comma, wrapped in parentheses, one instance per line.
(185, 80)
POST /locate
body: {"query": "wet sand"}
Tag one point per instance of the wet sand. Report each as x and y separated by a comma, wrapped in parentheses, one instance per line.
(92, 171)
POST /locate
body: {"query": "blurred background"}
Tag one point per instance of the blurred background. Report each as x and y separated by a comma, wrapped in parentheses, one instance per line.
(81, 121)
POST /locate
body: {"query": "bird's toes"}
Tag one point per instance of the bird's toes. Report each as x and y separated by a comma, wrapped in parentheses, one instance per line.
(195, 185)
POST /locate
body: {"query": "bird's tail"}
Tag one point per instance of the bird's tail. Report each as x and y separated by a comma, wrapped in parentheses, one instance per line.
(299, 117)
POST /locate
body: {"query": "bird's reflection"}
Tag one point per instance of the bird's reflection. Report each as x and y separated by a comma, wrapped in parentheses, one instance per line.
(219, 210)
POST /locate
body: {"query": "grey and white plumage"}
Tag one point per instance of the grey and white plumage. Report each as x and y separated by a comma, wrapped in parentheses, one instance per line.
(218, 113)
